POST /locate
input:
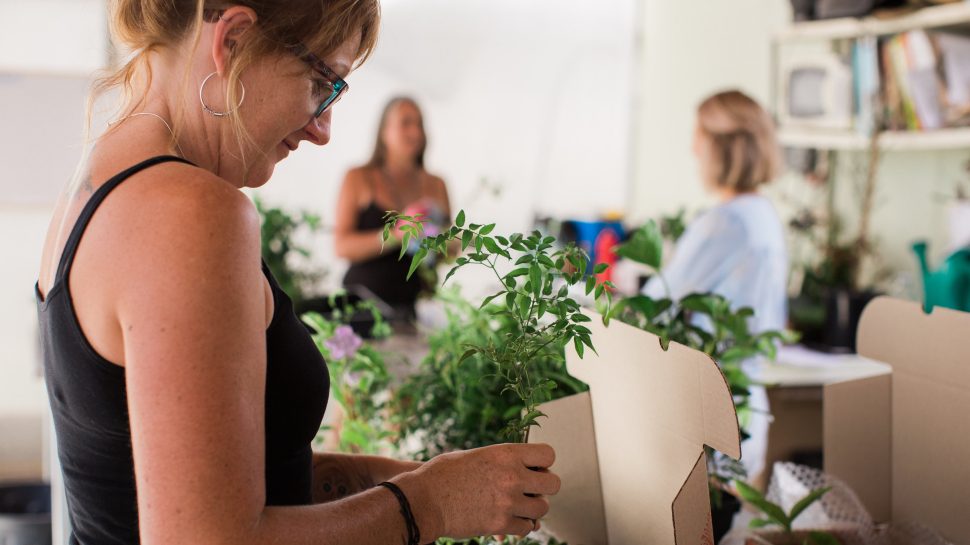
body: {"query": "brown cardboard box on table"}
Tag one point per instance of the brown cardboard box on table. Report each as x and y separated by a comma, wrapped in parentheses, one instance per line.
(631, 451)
(901, 440)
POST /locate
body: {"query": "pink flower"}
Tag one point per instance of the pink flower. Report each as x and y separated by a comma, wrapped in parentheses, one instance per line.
(344, 343)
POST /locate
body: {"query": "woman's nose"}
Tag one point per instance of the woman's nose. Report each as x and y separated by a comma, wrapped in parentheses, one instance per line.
(318, 129)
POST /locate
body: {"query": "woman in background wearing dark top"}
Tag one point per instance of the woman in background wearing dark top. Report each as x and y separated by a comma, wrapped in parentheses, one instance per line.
(393, 179)
(185, 393)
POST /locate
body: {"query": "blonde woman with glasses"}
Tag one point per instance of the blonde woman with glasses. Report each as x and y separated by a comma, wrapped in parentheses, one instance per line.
(184, 391)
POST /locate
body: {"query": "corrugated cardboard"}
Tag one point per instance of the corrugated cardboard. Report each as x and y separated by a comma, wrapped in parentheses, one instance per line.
(631, 451)
(902, 440)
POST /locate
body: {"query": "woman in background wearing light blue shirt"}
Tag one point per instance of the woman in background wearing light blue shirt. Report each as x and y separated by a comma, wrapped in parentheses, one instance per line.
(737, 248)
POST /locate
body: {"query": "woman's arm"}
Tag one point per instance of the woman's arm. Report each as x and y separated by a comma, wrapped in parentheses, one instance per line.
(337, 475)
(189, 299)
(351, 244)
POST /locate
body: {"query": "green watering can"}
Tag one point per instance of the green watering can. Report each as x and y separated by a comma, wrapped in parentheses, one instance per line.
(948, 286)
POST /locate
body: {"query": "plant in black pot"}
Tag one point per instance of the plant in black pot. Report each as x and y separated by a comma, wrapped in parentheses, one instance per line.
(831, 280)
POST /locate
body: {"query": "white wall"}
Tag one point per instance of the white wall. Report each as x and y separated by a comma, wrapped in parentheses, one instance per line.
(47, 48)
(535, 96)
(53, 36)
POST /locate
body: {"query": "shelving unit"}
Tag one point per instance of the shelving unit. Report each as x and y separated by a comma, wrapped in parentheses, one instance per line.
(840, 31)
(943, 16)
(943, 139)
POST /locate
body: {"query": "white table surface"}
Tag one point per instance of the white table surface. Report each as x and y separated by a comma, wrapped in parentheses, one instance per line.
(797, 366)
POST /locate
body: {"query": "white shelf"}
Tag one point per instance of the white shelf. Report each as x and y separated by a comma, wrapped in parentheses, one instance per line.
(946, 15)
(942, 139)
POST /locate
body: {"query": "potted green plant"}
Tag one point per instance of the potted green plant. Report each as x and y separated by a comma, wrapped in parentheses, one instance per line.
(831, 286)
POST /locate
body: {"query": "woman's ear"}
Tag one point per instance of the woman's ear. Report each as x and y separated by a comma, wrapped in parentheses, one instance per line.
(230, 29)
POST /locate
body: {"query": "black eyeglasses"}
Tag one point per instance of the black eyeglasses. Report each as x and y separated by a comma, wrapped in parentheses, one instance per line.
(336, 85)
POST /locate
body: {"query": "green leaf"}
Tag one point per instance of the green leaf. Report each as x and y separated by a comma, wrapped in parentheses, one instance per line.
(599, 291)
(460, 219)
(590, 284)
(478, 244)
(417, 260)
(466, 239)
(404, 244)
(468, 353)
(808, 500)
(601, 268)
(760, 523)
(755, 498)
(450, 273)
(578, 344)
(535, 276)
(487, 229)
(580, 317)
(490, 245)
(527, 258)
(644, 246)
(488, 300)
(521, 271)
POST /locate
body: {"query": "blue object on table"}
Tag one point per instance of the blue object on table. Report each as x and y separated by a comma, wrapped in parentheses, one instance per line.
(586, 233)
(949, 285)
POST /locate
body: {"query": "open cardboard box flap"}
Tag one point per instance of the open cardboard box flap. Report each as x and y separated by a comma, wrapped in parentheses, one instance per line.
(631, 451)
(901, 440)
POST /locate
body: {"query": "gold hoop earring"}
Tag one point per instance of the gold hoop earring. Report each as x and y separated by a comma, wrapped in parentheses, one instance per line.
(210, 111)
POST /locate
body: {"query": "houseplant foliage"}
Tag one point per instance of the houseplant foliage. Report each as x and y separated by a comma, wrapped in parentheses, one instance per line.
(705, 322)
(534, 297)
(282, 253)
(359, 379)
(447, 404)
(773, 515)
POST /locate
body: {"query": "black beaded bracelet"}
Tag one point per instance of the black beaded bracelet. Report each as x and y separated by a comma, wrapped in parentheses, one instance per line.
(414, 535)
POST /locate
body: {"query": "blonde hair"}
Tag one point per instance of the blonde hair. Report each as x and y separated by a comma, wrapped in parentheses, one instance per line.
(143, 26)
(742, 150)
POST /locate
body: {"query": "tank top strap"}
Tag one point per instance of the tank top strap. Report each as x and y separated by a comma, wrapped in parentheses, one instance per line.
(70, 248)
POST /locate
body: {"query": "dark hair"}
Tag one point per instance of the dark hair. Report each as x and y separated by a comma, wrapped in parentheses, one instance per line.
(379, 157)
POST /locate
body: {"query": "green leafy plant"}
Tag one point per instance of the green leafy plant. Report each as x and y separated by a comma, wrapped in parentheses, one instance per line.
(447, 404)
(774, 515)
(536, 297)
(280, 250)
(673, 226)
(359, 379)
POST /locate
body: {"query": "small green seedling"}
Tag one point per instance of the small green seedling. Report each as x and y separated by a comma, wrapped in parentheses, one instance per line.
(774, 515)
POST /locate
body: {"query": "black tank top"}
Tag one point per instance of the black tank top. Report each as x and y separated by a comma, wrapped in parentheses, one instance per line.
(385, 276)
(88, 401)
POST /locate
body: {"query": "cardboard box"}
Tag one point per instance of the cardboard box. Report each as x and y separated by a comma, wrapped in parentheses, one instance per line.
(901, 440)
(631, 451)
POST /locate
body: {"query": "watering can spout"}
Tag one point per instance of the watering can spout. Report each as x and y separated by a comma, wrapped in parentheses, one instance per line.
(919, 248)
